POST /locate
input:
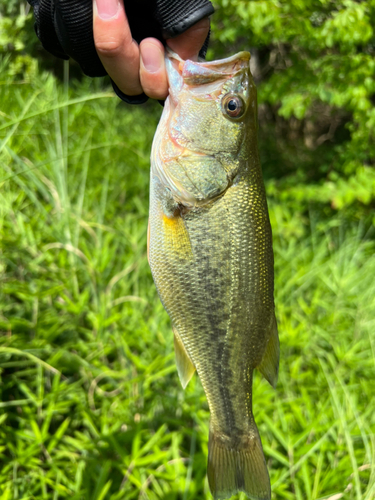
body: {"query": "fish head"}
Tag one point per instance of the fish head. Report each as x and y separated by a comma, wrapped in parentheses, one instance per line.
(208, 126)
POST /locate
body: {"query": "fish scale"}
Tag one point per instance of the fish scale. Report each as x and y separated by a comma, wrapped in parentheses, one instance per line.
(210, 253)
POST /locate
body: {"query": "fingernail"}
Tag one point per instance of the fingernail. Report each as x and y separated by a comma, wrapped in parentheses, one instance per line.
(107, 8)
(152, 57)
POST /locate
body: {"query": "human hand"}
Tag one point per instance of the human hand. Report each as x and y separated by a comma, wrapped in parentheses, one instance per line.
(139, 68)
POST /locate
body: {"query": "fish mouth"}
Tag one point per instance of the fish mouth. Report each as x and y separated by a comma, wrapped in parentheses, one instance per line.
(203, 72)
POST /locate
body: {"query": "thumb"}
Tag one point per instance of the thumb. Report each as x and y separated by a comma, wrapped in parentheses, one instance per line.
(188, 44)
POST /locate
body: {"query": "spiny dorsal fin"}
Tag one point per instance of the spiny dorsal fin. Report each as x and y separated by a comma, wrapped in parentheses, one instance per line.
(184, 364)
(269, 367)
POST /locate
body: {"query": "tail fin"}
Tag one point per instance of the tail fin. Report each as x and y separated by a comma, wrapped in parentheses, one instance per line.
(237, 467)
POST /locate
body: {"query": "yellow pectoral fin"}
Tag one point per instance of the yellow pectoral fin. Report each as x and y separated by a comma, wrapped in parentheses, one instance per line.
(269, 367)
(185, 367)
(177, 237)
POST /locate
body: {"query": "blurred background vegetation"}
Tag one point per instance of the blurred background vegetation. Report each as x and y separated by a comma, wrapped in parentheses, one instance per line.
(90, 402)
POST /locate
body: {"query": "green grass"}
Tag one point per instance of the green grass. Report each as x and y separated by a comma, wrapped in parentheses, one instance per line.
(90, 402)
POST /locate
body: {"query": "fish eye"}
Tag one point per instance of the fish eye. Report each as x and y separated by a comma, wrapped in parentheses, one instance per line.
(233, 105)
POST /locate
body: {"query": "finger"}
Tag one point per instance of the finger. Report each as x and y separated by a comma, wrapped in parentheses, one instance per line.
(117, 50)
(152, 69)
(188, 44)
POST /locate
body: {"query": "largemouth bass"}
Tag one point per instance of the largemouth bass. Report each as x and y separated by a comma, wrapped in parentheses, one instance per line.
(210, 252)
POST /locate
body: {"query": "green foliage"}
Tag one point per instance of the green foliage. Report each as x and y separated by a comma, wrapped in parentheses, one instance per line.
(314, 61)
(90, 402)
(17, 40)
(20, 47)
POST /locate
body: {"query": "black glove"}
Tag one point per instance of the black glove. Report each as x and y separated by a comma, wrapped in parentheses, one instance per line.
(65, 28)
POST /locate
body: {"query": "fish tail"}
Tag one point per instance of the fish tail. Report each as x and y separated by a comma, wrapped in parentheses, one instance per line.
(237, 465)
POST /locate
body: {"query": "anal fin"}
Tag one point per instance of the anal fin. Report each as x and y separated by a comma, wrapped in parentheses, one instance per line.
(269, 367)
(185, 367)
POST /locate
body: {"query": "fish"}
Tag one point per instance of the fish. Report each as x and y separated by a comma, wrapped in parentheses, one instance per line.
(211, 258)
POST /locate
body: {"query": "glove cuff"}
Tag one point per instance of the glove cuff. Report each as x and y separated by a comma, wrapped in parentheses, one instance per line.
(130, 99)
